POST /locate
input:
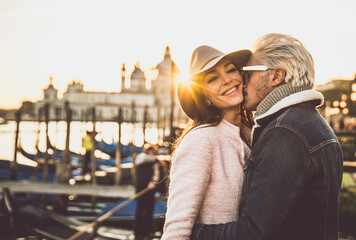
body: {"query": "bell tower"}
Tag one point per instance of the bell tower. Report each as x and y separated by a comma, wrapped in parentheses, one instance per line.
(123, 77)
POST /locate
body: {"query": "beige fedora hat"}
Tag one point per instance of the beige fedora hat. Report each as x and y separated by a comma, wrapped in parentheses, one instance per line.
(203, 58)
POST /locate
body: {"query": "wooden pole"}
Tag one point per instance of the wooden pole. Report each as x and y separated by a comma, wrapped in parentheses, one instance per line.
(46, 157)
(118, 149)
(133, 120)
(158, 124)
(145, 113)
(133, 148)
(164, 125)
(63, 168)
(13, 165)
(92, 157)
(55, 153)
(40, 112)
(171, 128)
(66, 174)
(46, 167)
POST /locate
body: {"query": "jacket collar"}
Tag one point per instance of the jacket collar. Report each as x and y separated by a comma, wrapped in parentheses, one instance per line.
(283, 97)
(286, 96)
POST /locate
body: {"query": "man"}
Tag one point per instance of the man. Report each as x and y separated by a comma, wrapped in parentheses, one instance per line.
(147, 175)
(88, 145)
(293, 176)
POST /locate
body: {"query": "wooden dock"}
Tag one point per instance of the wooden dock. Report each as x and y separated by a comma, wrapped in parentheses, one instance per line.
(80, 189)
(349, 166)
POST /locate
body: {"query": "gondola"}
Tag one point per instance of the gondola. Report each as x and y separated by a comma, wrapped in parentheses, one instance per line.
(50, 225)
(27, 220)
(110, 149)
(25, 172)
(125, 217)
(105, 172)
(126, 150)
(74, 159)
(107, 168)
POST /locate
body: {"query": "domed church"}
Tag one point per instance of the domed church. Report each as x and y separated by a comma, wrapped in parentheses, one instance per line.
(137, 94)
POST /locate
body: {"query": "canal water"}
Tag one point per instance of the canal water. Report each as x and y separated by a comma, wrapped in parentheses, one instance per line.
(34, 133)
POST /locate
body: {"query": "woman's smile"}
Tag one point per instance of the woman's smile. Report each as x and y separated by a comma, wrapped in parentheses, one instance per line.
(230, 91)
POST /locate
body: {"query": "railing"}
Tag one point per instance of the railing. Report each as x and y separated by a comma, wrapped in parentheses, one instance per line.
(347, 141)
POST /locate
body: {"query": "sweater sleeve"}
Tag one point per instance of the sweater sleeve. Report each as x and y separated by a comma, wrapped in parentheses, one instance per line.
(190, 175)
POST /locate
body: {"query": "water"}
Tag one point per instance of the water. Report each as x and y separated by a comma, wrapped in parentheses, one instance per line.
(34, 133)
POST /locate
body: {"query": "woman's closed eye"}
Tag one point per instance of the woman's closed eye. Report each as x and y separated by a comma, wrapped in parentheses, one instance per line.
(211, 79)
(232, 70)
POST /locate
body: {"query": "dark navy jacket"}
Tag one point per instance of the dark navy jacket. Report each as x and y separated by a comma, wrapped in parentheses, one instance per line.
(292, 180)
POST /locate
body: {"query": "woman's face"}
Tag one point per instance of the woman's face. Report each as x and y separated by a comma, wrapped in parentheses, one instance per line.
(222, 85)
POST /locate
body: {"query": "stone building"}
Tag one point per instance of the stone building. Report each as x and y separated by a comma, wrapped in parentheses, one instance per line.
(132, 100)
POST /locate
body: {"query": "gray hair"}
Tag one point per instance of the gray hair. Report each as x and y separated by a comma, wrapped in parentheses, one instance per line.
(280, 50)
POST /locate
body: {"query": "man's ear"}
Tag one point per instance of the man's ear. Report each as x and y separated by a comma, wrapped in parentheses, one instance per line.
(279, 77)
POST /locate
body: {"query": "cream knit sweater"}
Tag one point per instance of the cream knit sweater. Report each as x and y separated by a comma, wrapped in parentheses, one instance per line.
(206, 179)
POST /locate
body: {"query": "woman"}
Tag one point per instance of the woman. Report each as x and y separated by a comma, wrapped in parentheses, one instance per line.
(207, 165)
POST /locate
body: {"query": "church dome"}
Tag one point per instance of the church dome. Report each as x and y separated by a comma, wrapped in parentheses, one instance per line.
(138, 79)
(137, 73)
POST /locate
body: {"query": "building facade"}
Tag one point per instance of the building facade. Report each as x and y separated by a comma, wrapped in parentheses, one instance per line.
(136, 102)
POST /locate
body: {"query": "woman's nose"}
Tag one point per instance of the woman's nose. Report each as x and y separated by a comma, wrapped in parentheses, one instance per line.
(227, 80)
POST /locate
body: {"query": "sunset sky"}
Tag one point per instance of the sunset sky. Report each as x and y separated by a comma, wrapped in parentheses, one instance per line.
(89, 40)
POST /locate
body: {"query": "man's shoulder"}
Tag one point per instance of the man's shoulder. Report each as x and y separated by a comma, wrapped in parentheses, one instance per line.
(305, 122)
(300, 116)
